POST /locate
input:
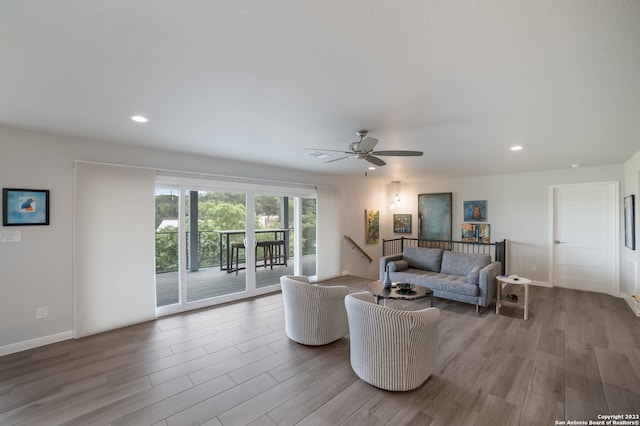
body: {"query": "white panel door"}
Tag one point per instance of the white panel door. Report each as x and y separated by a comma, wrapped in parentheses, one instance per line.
(585, 237)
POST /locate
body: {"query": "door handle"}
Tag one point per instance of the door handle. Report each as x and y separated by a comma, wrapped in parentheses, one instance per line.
(559, 242)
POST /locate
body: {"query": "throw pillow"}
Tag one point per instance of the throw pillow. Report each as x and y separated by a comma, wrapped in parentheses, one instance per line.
(398, 265)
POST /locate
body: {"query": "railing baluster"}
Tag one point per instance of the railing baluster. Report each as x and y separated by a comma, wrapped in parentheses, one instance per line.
(497, 250)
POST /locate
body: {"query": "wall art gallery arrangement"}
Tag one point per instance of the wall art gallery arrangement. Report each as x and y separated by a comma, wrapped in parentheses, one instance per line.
(435, 220)
(475, 211)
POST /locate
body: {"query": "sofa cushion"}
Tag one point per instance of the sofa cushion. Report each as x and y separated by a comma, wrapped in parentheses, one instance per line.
(454, 284)
(437, 282)
(398, 265)
(462, 263)
(428, 259)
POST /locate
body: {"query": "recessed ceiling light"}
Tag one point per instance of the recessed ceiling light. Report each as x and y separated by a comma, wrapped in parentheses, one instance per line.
(575, 165)
(516, 147)
(371, 168)
(139, 119)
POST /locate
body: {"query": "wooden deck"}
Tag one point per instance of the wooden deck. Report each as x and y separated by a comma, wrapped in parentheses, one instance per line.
(212, 282)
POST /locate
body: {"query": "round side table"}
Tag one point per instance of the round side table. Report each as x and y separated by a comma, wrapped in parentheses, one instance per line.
(516, 280)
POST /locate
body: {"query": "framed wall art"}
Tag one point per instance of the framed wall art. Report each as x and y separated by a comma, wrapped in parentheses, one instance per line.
(630, 221)
(434, 216)
(402, 223)
(475, 211)
(23, 207)
(476, 233)
(371, 226)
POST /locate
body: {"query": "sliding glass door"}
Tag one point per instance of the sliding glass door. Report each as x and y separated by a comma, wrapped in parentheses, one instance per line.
(214, 239)
(167, 246)
(214, 246)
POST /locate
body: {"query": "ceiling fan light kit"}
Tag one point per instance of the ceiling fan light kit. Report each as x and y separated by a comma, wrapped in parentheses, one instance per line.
(363, 150)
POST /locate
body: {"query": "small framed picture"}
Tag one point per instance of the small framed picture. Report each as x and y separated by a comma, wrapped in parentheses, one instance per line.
(402, 223)
(371, 226)
(24, 207)
(475, 211)
(630, 221)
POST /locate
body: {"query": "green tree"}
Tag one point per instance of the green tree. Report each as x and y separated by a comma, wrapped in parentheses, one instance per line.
(166, 208)
(268, 206)
(167, 249)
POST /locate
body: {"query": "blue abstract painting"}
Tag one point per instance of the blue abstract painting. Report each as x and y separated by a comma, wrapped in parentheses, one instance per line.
(475, 211)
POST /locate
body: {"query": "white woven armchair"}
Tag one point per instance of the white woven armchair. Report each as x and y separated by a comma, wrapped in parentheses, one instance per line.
(390, 348)
(313, 315)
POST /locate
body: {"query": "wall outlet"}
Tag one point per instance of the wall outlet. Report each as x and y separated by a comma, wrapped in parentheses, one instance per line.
(42, 312)
(534, 267)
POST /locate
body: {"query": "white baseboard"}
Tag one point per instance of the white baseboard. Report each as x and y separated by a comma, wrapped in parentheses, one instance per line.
(541, 284)
(633, 304)
(34, 343)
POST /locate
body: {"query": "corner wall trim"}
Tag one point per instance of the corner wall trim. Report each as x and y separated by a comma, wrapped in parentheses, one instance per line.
(34, 343)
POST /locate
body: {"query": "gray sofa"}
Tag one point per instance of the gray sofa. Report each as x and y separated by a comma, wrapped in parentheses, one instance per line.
(465, 277)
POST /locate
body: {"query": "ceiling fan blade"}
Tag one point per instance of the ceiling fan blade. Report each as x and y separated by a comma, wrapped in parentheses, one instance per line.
(328, 150)
(375, 160)
(399, 153)
(367, 144)
(337, 159)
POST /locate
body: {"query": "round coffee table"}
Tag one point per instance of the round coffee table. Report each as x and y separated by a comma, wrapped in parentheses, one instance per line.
(379, 291)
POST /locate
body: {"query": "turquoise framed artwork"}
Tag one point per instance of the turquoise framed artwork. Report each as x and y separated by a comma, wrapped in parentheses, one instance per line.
(434, 216)
(24, 207)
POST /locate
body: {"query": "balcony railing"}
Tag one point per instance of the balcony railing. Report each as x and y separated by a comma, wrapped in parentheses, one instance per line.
(208, 249)
(167, 250)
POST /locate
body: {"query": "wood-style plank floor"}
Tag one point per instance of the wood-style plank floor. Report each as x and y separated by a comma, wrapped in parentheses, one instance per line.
(577, 357)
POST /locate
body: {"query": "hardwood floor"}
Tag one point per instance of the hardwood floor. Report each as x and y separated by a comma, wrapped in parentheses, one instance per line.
(578, 356)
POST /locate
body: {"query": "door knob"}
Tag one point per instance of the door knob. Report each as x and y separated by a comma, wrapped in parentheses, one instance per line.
(559, 242)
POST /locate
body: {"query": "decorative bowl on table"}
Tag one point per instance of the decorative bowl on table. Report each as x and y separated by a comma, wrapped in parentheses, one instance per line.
(405, 287)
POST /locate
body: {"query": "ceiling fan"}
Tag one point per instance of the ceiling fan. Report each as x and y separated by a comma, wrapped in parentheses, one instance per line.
(363, 150)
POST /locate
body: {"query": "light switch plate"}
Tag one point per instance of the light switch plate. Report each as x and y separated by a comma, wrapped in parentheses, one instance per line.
(10, 236)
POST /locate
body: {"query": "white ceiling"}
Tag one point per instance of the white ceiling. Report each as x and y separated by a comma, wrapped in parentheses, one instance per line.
(461, 80)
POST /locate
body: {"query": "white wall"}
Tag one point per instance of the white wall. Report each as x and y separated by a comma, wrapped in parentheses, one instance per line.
(38, 270)
(517, 209)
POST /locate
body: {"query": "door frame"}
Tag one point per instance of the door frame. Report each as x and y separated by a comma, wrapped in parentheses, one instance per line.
(251, 191)
(615, 187)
